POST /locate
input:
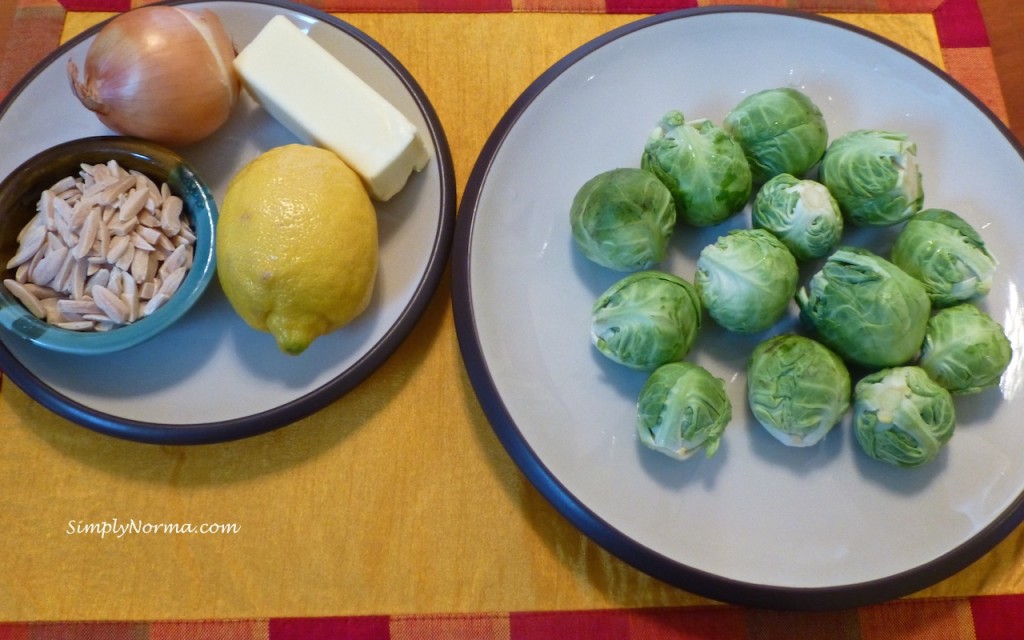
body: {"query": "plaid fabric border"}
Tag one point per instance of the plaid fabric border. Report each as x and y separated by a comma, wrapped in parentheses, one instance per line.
(598, 6)
(980, 618)
(36, 31)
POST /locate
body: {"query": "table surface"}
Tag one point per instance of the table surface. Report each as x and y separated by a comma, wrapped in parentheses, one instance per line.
(300, 554)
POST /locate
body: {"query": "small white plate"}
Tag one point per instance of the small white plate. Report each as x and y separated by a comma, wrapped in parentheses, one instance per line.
(211, 377)
(759, 523)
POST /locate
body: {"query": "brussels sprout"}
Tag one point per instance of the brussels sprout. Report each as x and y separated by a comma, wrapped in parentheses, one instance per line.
(865, 308)
(944, 251)
(874, 177)
(801, 213)
(646, 319)
(965, 350)
(682, 408)
(746, 279)
(902, 416)
(623, 219)
(780, 130)
(703, 167)
(797, 389)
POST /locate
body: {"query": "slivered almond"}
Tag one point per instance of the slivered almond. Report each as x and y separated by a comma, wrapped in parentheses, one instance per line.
(41, 292)
(140, 265)
(130, 295)
(48, 267)
(87, 236)
(154, 303)
(125, 261)
(105, 247)
(82, 307)
(118, 245)
(132, 205)
(64, 184)
(172, 282)
(110, 304)
(170, 215)
(26, 298)
(30, 245)
(77, 325)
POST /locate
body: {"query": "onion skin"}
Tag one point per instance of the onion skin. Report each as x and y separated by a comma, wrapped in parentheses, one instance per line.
(160, 73)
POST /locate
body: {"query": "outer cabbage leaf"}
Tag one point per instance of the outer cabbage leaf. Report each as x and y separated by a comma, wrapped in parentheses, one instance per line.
(746, 280)
(681, 409)
(646, 319)
(965, 350)
(623, 219)
(901, 416)
(947, 254)
(865, 308)
(797, 389)
(874, 177)
(703, 167)
(781, 131)
(800, 213)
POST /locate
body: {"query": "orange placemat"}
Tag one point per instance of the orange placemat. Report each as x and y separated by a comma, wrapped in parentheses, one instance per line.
(951, 34)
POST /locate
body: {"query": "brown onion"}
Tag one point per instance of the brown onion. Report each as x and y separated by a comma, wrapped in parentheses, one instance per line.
(161, 73)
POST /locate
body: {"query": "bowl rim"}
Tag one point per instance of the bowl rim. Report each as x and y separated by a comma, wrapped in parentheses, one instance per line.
(162, 165)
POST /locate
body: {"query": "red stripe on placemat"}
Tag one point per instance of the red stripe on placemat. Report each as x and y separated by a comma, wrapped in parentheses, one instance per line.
(75, 630)
(978, 618)
(570, 625)
(34, 33)
(679, 623)
(960, 24)
(354, 628)
(96, 5)
(412, 6)
(656, 6)
(866, 6)
(338, 6)
(998, 617)
(694, 623)
(255, 629)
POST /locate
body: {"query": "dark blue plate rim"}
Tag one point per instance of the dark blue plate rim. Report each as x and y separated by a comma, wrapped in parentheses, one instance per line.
(605, 534)
(306, 405)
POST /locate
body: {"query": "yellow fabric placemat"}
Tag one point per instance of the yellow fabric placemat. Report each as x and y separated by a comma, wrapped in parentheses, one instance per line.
(397, 498)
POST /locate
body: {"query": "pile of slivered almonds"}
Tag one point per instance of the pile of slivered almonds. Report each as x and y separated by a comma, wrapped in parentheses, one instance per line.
(105, 248)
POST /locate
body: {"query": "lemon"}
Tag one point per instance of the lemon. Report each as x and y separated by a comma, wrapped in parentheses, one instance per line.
(297, 244)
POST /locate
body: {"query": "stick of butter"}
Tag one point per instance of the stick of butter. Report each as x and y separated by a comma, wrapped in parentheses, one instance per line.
(324, 103)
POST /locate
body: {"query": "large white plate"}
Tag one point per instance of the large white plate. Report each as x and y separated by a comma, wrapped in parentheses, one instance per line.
(211, 377)
(759, 523)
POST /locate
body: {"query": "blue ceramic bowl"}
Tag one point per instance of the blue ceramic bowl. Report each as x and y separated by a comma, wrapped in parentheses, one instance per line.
(19, 194)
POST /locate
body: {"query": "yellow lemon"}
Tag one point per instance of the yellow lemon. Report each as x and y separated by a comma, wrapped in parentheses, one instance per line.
(297, 244)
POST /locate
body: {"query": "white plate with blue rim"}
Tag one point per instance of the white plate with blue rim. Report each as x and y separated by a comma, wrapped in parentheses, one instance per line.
(211, 378)
(759, 523)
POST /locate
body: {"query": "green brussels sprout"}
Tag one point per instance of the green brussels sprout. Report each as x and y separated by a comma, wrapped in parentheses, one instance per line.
(901, 416)
(801, 213)
(646, 319)
(746, 279)
(781, 131)
(681, 409)
(623, 219)
(874, 177)
(865, 308)
(703, 167)
(944, 251)
(797, 389)
(965, 350)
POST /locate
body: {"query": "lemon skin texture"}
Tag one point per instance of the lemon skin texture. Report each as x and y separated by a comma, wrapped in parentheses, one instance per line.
(297, 244)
